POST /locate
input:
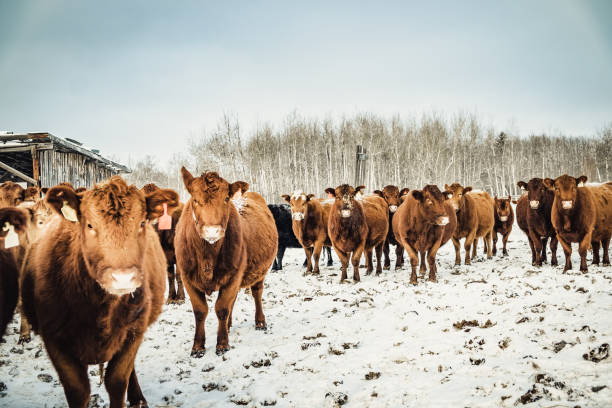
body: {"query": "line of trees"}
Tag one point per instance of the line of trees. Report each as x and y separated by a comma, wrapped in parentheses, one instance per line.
(312, 154)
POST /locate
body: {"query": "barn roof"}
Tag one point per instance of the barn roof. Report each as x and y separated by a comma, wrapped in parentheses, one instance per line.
(22, 141)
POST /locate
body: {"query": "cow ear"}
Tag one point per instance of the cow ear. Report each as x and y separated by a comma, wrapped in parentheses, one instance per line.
(581, 179)
(447, 187)
(495, 198)
(309, 196)
(237, 188)
(509, 197)
(467, 190)
(330, 190)
(549, 183)
(404, 191)
(447, 194)
(380, 193)
(157, 199)
(359, 189)
(522, 185)
(187, 177)
(65, 201)
(418, 195)
(17, 217)
(287, 198)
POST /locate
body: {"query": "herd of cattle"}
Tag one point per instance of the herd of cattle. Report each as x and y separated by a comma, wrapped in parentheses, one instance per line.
(87, 266)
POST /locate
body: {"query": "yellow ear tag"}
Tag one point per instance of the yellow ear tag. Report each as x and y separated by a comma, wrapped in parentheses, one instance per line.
(165, 221)
(69, 213)
(11, 239)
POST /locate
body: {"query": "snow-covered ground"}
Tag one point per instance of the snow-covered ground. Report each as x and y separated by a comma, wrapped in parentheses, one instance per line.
(379, 343)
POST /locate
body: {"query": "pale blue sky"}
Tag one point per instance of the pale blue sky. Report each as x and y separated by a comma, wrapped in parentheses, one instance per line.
(141, 77)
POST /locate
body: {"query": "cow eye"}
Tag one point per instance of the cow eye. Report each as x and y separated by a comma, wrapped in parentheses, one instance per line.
(226, 199)
(142, 224)
(89, 226)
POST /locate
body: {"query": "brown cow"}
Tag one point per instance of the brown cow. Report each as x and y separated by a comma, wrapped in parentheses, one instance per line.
(92, 287)
(474, 219)
(423, 222)
(504, 218)
(356, 226)
(533, 212)
(392, 195)
(176, 294)
(583, 215)
(11, 194)
(309, 224)
(223, 248)
(9, 268)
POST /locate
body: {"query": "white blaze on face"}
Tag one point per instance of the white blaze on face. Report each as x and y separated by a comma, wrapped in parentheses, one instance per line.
(298, 216)
(567, 205)
(503, 218)
(534, 204)
(442, 220)
(123, 281)
(345, 213)
(212, 234)
(393, 208)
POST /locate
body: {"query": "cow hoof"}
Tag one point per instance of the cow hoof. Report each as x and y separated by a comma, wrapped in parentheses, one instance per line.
(387, 267)
(606, 264)
(378, 273)
(140, 404)
(24, 338)
(431, 279)
(198, 353)
(261, 326)
(222, 350)
(413, 282)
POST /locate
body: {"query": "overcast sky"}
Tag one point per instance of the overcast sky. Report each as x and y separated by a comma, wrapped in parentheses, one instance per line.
(142, 77)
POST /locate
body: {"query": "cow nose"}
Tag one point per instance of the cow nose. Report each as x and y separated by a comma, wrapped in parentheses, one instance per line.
(345, 213)
(212, 234)
(442, 220)
(534, 204)
(124, 281)
(567, 205)
(393, 208)
(298, 216)
(503, 218)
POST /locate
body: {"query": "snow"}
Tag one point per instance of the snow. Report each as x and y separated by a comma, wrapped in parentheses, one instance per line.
(325, 338)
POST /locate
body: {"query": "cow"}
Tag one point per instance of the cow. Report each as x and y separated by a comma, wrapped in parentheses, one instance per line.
(392, 195)
(581, 214)
(309, 224)
(225, 240)
(286, 237)
(11, 194)
(504, 218)
(475, 219)
(533, 211)
(423, 222)
(94, 282)
(356, 226)
(176, 294)
(12, 221)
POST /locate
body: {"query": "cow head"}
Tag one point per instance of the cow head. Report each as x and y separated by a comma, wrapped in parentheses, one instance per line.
(17, 218)
(112, 221)
(536, 191)
(211, 203)
(345, 198)
(503, 208)
(299, 204)
(149, 188)
(456, 194)
(11, 194)
(431, 204)
(392, 195)
(566, 189)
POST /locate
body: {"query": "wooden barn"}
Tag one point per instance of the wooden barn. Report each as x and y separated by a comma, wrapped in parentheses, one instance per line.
(46, 160)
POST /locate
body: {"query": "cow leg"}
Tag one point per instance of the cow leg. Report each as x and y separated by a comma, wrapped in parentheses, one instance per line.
(330, 260)
(537, 246)
(504, 242)
(355, 259)
(379, 252)
(368, 257)
(605, 243)
(118, 373)
(344, 260)
(583, 248)
(475, 247)
(399, 256)
(222, 309)
(533, 253)
(72, 374)
(470, 240)
(414, 261)
(431, 260)
(316, 256)
(495, 243)
(544, 242)
(171, 288)
(134, 393)
(595, 246)
(457, 246)
(488, 243)
(200, 311)
(387, 257)
(231, 313)
(180, 290)
(279, 257)
(308, 252)
(24, 329)
(260, 319)
(567, 249)
(422, 268)
(553, 250)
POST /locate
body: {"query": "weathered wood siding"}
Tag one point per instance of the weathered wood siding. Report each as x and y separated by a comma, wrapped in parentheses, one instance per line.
(57, 167)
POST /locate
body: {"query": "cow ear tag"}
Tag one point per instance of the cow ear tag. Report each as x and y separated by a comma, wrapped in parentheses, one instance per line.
(12, 239)
(69, 213)
(165, 221)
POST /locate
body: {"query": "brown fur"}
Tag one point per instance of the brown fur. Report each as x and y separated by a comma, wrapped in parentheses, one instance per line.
(11, 194)
(417, 225)
(240, 258)
(588, 221)
(69, 277)
(364, 229)
(475, 219)
(392, 195)
(311, 229)
(503, 208)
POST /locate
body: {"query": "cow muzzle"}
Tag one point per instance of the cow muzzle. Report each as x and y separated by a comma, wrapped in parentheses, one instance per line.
(122, 281)
(393, 208)
(534, 204)
(345, 213)
(298, 216)
(503, 218)
(442, 221)
(212, 234)
(567, 205)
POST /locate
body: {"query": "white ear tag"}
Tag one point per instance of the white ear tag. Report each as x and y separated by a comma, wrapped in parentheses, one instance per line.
(12, 239)
(581, 184)
(69, 213)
